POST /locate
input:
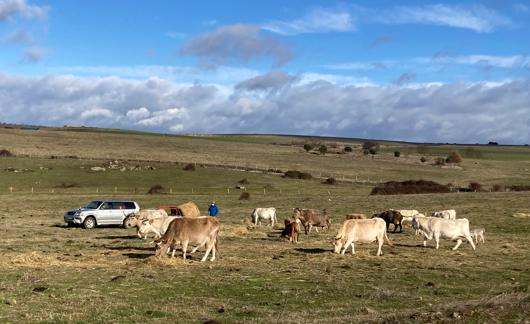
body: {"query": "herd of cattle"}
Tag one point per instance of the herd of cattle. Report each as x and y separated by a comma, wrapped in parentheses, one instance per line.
(202, 231)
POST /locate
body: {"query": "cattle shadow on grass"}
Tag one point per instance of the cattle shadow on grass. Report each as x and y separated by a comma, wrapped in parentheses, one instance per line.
(312, 250)
(118, 237)
(138, 248)
(138, 255)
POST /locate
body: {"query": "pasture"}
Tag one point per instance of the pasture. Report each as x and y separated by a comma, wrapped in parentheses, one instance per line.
(52, 273)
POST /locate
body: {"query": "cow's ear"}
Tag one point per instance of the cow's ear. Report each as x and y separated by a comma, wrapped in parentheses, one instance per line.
(151, 221)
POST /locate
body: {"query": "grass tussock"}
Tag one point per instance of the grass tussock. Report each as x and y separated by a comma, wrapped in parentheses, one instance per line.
(155, 189)
(294, 174)
(409, 187)
(189, 167)
(244, 196)
(5, 153)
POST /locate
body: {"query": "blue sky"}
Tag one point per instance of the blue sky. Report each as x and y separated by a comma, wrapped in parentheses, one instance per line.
(451, 71)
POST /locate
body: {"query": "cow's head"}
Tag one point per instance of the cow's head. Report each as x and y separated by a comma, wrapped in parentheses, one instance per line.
(337, 243)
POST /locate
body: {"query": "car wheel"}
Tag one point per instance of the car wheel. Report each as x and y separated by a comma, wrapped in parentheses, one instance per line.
(127, 222)
(89, 223)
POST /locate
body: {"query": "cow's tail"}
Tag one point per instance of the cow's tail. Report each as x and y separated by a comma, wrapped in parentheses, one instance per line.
(216, 245)
(387, 240)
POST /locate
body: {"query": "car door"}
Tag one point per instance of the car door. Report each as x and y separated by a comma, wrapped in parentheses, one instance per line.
(118, 212)
(104, 215)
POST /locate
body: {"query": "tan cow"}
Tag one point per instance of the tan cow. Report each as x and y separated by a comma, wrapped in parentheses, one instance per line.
(144, 214)
(189, 209)
(361, 231)
(196, 231)
(434, 227)
(478, 234)
(312, 218)
(356, 216)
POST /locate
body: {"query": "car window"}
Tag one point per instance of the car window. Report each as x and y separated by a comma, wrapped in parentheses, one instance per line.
(118, 205)
(93, 204)
(106, 205)
(129, 205)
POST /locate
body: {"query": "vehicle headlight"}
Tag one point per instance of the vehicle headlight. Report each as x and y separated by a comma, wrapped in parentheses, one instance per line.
(77, 213)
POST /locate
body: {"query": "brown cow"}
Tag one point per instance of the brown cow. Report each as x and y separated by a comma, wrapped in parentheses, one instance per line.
(391, 217)
(312, 218)
(196, 231)
(292, 229)
(356, 216)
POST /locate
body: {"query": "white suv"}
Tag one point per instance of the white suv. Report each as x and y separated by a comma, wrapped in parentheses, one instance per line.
(101, 212)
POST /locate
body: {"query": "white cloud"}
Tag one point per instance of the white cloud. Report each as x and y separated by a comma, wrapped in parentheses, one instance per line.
(34, 54)
(477, 18)
(454, 112)
(12, 8)
(19, 36)
(315, 21)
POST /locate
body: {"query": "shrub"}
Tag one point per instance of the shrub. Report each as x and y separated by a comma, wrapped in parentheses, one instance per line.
(366, 151)
(155, 189)
(323, 149)
(67, 185)
(348, 149)
(372, 151)
(498, 188)
(368, 145)
(453, 157)
(519, 188)
(439, 161)
(330, 181)
(397, 154)
(189, 167)
(308, 147)
(293, 174)
(244, 196)
(409, 187)
(243, 181)
(475, 186)
(5, 153)
(423, 159)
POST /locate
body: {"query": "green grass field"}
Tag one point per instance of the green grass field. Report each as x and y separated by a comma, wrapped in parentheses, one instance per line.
(51, 273)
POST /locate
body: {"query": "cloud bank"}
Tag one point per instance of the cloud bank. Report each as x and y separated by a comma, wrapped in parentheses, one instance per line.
(459, 112)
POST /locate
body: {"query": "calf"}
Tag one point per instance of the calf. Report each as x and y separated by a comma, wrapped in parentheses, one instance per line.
(264, 213)
(432, 227)
(292, 229)
(361, 231)
(136, 218)
(478, 233)
(197, 231)
(312, 218)
(391, 217)
(445, 214)
(157, 226)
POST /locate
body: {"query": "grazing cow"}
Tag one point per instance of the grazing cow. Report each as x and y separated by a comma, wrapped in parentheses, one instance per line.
(445, 214)
(478, 233)
(196, 231)
(356, 216)
(361, 231)
(391, 217)
(435, 227)
(312, 218)
(292, 229)
(136, 218)
(189, 209)
(264, 213)
(157, 226)
(408, 214)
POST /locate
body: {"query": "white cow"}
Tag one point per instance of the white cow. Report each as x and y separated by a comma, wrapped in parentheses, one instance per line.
(408, 214)
(157, 226)
(435, 227)
(264, 213)
(361, 231)
(478, 234)
(445, 214)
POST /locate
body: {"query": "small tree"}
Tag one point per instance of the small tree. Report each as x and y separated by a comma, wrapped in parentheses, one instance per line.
(323, 149)
(439, 161)
(423, 159)
(475, 186)
(348, 149)
(454, 157)
(397, 154)
(308, 147)
(370, 146)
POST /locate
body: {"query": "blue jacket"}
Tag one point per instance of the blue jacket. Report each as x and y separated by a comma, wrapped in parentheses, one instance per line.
(213, 210)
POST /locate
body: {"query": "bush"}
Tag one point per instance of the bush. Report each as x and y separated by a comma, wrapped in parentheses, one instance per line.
(397, 154)
(423, 159)
(155, 189)
(67, 185)
(189, 167)
(498, 188)
(518, 188)
(330, 181)
(243, 181)
(5, 153)
(323, 149)
(348, 149)
(439, 161)
(409, 187)
(453, 157)
(368, 145)
(475, 186)
(366, 151)
(244, 196)
(293, 174)
(308, 147)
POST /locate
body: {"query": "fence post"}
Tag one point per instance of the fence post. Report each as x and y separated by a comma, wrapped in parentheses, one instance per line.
(263, 191)
(11, 189)
(115, 189)
(171, 190)
(97, 190)
(228, 190)
(31, 189)
(192, 191)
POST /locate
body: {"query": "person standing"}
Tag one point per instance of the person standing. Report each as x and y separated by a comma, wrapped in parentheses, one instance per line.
(213, 210)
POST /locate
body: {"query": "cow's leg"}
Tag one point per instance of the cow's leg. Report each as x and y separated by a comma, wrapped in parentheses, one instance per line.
(458, 242)
(437, 240)
(184, 248)
(347, 245)
(380, 245)
(214, 249)
(352, 248)
(482, 237)
(209, 247)
(470, 240)
(316, 228)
